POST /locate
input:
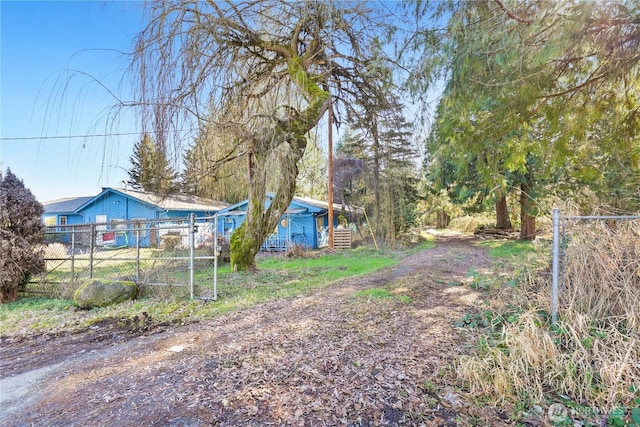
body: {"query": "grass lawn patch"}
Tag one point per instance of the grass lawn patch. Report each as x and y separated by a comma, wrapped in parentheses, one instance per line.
(277, 277)
(509, 248)
(374, 293)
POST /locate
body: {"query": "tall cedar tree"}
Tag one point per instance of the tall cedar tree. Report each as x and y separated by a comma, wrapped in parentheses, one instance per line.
(383, 142)
(21, 233)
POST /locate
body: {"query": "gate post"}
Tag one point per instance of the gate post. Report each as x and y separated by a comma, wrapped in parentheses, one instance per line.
(137, 225)
(192, 244)
(555, 272)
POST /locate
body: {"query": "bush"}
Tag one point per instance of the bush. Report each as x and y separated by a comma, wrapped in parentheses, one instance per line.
(21, 236)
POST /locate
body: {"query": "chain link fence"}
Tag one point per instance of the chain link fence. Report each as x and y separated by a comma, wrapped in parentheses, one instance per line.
(595, 249)
(171, 258)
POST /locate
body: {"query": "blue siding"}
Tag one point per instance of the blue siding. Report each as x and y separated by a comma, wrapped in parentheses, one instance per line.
(301, 230)
(118, 207)
(300, 226)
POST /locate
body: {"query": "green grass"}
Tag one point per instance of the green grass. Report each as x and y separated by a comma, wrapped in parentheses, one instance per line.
(374, 293)
(509, 248)
(277, 277)
(380, 293)
(35, 314)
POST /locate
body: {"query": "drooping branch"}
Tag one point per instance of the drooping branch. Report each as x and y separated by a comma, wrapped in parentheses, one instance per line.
(259, 72)
(512, 15)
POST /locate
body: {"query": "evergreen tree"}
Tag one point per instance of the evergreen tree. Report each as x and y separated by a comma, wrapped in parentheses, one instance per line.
(150, 170)
(349, 169)
(545, 105)
(21, 231)
(380, 159)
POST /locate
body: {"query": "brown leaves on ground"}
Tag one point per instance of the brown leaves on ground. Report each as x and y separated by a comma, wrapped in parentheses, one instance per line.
(335, 357)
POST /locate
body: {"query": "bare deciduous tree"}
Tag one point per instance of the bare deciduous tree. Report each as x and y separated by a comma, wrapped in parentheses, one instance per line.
(265, 71)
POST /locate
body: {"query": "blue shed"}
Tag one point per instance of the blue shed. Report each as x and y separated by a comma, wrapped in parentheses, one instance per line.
(305, 222)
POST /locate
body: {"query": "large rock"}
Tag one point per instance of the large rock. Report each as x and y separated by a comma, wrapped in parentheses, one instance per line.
(97, 293)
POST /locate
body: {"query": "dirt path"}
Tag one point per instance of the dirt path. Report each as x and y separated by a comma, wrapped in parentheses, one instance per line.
(333, 358)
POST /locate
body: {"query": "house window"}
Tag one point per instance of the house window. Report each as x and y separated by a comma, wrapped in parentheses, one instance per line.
(63, 220)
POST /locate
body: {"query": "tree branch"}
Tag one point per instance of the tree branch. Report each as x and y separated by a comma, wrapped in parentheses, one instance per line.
(513, 15)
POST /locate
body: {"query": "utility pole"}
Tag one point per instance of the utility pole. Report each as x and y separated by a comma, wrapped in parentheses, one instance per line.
(330, 189)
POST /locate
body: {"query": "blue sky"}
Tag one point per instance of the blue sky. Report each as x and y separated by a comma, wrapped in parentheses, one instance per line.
(45, 48)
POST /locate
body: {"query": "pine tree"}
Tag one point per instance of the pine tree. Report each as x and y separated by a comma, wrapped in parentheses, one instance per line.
(150, 169)
(21, 231)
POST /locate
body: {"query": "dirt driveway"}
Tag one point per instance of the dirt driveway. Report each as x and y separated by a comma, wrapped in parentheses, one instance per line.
(335, 357)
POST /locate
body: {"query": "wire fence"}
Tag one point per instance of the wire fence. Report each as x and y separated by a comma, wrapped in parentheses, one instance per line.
(594, 249)
(177, 257)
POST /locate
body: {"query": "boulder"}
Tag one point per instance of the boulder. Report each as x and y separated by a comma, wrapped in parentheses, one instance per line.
(98, 293)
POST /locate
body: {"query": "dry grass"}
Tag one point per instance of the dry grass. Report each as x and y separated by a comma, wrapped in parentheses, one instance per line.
(469, 223)
(592, 355)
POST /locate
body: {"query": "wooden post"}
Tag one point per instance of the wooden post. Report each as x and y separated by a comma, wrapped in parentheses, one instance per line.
(330, 189)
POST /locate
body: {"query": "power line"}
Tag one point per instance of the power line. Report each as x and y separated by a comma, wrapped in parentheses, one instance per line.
(97, 135)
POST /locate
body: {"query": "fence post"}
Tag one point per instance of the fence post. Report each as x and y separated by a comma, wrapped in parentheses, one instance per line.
(73, 252)
(137, 226)
(92, 246)
(555, 272)
(215, 258)
(192, 244)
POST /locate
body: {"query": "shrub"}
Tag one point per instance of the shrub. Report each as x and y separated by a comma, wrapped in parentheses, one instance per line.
(21, 236)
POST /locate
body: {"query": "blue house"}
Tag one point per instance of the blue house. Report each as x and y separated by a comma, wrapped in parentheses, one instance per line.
(125, 205)
(305, 222)
(113, 208)
(129, 205)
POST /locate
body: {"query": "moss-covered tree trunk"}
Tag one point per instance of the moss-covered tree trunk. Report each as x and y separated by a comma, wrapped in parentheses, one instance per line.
(287, 142)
